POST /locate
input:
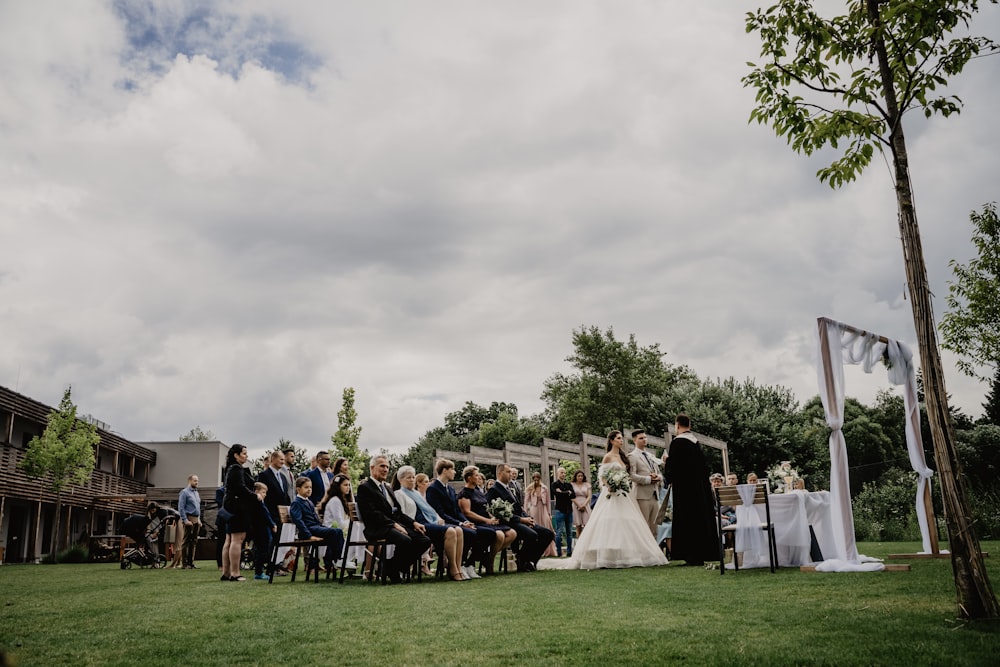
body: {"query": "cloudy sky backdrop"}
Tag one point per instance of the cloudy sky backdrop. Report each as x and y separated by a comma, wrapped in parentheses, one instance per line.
(223, 213)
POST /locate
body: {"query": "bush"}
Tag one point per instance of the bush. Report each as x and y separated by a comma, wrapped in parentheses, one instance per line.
(74, 554)
(885, 510)
(985, 509)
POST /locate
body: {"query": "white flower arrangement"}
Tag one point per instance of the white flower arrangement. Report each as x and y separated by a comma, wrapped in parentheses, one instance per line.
(500, 509)
(618, 481)
(782, 476)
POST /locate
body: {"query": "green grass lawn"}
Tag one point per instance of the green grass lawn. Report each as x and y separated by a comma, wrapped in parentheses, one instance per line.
(98, 614)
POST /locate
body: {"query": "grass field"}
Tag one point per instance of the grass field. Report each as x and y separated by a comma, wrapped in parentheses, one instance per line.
(97, 614)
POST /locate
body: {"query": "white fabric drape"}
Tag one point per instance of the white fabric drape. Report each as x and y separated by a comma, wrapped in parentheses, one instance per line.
(901, 373)
(831, 393)
(867, 350)
(750, 539)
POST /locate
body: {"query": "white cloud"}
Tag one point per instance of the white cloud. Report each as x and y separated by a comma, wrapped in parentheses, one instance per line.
(225, 213)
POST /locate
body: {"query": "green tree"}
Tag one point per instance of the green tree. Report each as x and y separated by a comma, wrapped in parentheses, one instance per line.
(197, 435)
(345, 440)
(971, 327)
(758, 422)
(62, 456)
(851, 78)
(991, 408)
(471, 417)
(421, 454)
(617, 384)
(980, 447)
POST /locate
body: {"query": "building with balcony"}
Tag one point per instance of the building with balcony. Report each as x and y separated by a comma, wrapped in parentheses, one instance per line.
(118, 486)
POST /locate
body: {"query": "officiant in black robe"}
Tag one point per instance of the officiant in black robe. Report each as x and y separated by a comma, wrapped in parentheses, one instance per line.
(695, 533)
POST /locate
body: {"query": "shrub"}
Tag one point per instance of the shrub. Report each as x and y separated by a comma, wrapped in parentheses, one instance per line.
(74, 554)
(884, 510)
(985, 509)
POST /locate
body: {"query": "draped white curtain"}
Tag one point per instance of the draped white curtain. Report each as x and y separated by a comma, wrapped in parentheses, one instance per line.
(838, 346)
(750, 539)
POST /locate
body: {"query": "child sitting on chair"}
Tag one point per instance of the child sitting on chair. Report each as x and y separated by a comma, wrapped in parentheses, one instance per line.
(303, 513)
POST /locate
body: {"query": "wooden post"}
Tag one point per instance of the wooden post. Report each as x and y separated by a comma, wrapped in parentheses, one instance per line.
(932, 532)
(36, 547)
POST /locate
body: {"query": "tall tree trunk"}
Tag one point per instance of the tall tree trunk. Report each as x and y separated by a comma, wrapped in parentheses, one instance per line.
(54, 542)
(976, 598)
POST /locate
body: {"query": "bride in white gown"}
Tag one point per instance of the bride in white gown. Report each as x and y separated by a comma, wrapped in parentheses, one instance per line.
(617, 534)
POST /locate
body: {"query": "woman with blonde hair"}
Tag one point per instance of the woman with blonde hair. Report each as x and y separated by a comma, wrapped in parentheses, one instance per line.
(472, 503)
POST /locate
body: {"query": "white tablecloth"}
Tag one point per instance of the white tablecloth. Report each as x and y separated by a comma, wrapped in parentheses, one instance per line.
(792, 514)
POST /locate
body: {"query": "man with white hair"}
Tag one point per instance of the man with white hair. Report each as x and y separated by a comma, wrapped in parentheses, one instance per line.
(384, 519)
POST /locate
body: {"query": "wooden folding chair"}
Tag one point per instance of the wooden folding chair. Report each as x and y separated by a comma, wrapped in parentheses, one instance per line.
(377, 548)
(730, 495)
(309, 547)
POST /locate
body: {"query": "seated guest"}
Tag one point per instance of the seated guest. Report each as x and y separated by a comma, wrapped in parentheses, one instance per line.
(264, 528)
(335, 516)
(303, 513)
(732, 479)
(447, 540)
(727, 513)
(478, 540)
(384, 520)
(535, 539)
(472, 503)
(751, 478)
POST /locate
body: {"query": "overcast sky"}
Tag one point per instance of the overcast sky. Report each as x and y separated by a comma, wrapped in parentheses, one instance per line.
(223, 213)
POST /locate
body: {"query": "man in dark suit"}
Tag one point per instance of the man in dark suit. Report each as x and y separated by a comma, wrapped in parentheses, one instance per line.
(444, 500)
(534, 539)
(321, 476)
(288, 471)
(515, 485)
(384, 519)
(272, 478)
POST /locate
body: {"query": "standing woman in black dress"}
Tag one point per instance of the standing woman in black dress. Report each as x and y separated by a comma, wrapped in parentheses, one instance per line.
(239, 495)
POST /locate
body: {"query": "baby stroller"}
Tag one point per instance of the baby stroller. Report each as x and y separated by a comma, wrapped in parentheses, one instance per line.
(144, 531)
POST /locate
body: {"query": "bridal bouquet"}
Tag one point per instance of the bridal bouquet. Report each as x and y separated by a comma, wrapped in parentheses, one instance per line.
(617, 480)
(500, 509)
(782, 476)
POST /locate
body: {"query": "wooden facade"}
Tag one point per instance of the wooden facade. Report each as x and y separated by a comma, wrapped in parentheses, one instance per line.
(117, 486)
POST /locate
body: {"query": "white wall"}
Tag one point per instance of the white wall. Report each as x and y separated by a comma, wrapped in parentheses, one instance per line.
(176, 460)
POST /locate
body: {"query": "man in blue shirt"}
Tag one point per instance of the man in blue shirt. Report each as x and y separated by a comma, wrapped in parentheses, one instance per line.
(189, 507)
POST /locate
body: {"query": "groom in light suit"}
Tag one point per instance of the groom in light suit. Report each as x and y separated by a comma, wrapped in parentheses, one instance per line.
(647, 479)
